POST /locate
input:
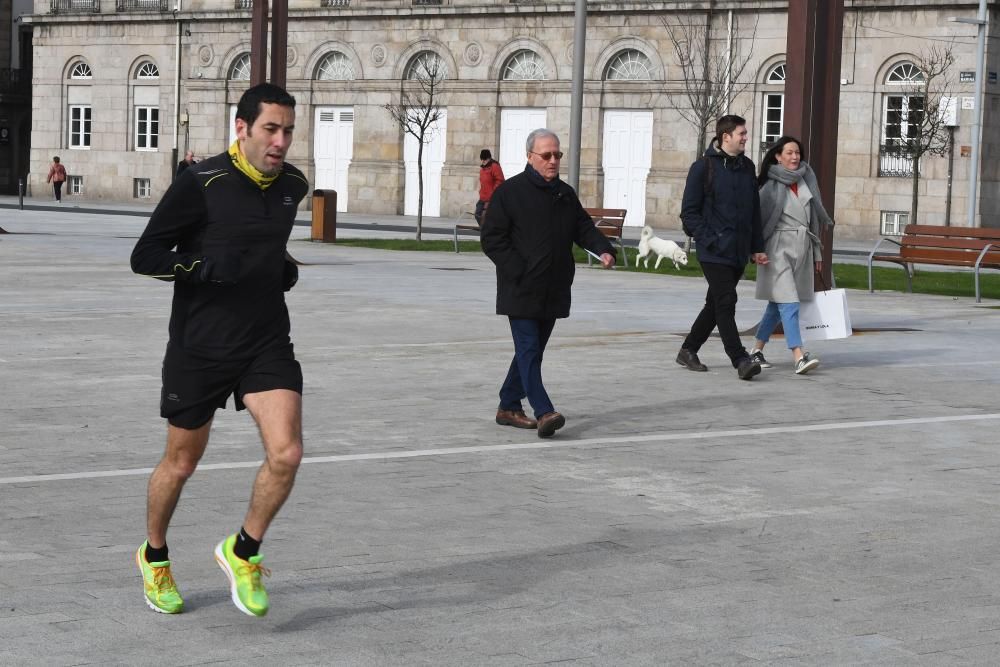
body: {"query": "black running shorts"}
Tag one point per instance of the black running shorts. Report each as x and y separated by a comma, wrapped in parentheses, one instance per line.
(194, 388)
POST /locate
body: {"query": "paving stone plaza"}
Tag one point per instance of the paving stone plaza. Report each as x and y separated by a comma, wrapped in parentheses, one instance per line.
(844, 517)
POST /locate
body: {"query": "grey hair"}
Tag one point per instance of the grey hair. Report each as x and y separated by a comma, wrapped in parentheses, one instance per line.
(540, 133)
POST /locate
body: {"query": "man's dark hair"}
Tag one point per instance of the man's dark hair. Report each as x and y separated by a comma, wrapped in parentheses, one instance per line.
(726, 125)
(56, 159)
(485, 154)
(263, 93)
(771, 156)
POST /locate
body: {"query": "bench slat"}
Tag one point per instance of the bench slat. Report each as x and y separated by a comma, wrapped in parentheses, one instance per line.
(944, 242)
(990, 233)
(952, 257)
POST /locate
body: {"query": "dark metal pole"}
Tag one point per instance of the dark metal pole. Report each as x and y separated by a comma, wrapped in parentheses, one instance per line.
(279, 42)
(258, 43)
(812, 95)
(951, 173)
(576, 97)
(20, 193)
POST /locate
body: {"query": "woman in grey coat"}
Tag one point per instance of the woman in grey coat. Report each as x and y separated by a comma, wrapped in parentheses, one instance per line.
(792, 213)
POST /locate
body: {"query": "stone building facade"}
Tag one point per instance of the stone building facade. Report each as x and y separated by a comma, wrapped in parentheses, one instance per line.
(122, 87)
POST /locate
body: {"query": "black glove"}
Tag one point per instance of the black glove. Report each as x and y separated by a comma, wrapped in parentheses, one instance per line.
(290, 275)
(223, 269)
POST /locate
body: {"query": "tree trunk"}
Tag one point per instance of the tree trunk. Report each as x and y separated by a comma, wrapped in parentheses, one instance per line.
(420, 184)
(916, 189)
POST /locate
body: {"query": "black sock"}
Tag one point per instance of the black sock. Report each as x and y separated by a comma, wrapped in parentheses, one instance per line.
(245, 546)
(156, 555)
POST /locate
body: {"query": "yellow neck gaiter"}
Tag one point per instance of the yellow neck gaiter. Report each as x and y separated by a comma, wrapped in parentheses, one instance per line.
(240, 162)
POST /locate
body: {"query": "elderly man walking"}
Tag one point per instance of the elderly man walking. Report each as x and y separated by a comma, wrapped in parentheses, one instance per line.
(529, 230)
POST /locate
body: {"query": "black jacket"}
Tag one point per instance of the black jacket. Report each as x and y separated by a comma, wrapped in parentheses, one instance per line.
(221, 240)
(726, 224)
(529, 233)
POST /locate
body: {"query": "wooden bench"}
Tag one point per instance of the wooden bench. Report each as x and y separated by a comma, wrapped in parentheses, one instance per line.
(611, 222)
(946, 246)
(465, 226)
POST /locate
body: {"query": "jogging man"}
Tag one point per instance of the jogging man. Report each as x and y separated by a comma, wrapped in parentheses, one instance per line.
(219, 234)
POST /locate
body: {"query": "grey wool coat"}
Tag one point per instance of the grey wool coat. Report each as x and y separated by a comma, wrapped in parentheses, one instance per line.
(791, 236)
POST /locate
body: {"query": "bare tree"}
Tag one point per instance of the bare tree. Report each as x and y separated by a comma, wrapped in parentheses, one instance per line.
(419, 110)
(917, 125)
(711, 72)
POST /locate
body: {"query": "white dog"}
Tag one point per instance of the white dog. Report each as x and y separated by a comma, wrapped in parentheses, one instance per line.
(651, 244)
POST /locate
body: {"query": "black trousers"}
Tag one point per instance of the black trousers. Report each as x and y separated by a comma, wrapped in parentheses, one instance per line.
(719, 311)
(56, 187)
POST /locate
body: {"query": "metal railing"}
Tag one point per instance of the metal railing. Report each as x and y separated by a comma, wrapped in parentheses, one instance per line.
(334, 3)
(428, 2)
(74, 6)
(244, 4)
(895, 161)
(143, 5)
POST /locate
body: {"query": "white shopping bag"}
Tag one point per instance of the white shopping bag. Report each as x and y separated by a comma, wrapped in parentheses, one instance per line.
(825, 317)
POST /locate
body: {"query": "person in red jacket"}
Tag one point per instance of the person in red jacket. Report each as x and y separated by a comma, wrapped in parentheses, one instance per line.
(490, 176)
(57, 176)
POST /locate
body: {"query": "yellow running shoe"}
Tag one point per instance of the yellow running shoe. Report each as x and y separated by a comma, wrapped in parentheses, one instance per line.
(158, 583)
(245, 585)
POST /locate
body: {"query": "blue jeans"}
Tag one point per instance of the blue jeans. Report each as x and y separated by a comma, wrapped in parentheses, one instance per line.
(788, 313)
(524, 379)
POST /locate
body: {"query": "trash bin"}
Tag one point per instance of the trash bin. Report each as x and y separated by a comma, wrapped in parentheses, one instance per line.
(324, 216)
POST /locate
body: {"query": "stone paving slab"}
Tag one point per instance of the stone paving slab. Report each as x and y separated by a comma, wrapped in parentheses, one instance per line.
(844, 517)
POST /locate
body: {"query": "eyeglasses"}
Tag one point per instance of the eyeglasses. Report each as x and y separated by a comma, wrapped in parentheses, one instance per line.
(548, 155)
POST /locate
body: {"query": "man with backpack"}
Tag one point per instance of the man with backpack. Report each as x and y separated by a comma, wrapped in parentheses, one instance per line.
(721, 211)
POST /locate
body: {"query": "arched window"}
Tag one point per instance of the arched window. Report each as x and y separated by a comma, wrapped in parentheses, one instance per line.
(240, 71)
(524, 65)
(902, 120)
(81, 70)
(147, 70)
(773, 106)
(335, 66)
(427, 65)
(776, 75)
(905, 74)
(629, 65)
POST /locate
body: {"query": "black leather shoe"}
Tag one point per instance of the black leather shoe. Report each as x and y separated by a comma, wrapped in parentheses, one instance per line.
(747, 368)
(690, 361)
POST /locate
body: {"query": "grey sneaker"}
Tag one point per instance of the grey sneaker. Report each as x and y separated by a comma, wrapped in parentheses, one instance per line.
(758, 357)
(690, 361)
(805, 364)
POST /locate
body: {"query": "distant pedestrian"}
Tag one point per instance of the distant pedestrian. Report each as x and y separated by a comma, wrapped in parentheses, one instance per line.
(536, 218)
(792, 215)
(490, 177)
(57, 176)
(721, 210)
(185, 163)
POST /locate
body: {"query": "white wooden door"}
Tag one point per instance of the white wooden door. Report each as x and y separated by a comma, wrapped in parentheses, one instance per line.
(232, 127)
(628, 153)
(333, 148)
(433, 162)
(515, 126)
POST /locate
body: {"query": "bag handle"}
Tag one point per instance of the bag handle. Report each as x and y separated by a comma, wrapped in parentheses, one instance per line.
(819, 274)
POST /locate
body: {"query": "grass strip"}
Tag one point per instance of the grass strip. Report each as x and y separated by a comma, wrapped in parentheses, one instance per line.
(851, 276)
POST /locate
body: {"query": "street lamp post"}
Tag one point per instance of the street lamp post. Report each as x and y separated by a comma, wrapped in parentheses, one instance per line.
(576, 94)
(977, 124)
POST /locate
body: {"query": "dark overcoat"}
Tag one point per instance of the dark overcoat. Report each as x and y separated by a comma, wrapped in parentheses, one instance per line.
(528, 232)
